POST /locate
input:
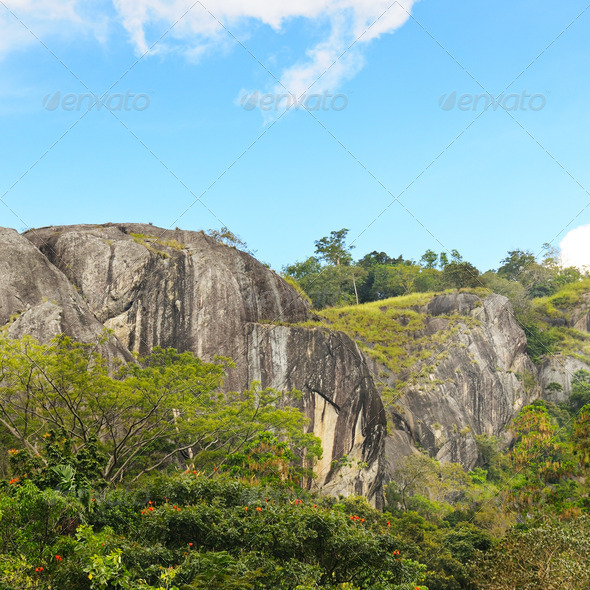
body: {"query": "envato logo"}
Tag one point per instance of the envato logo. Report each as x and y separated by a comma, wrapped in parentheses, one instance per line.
(508, 102)
(88, 101)
(279, 102)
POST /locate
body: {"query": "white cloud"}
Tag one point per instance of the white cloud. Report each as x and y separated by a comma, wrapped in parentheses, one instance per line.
(23, 22)
(351, 23)
(575, 247)
(194, 28)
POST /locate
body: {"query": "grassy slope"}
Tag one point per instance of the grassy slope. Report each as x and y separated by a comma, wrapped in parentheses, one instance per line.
(561, 306)
(392, 332)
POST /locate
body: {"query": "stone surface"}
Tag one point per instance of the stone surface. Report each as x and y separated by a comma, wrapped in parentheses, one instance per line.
(580, 319)
(340, 398)
(559, 369)
(478, 380)
(37, 299)
(183, 289)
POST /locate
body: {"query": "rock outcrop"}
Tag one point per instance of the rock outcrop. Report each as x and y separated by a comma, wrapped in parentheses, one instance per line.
(185, 290)
(475, 377)
(38, 300)
(559, 369)
(340, 398)
(571, 315)
(580, 316)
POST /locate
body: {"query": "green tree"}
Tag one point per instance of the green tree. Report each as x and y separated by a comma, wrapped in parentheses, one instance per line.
(581, 436)
(371, 262)
(333, 248)
(459, 275)
(515, 263)
(553, 556)
(391, 281)
(541, 459)
(540, 343)
(303, 270)
(429, 259)
(163, 410)
(580, 390)
(374, 258)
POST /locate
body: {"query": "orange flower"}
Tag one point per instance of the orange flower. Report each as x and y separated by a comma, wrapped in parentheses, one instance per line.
(190, 544)
(259, 509)
(58, 558)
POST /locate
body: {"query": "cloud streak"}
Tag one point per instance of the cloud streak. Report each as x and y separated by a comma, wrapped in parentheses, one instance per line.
(351, 24)
(195, 28)
(24, 22)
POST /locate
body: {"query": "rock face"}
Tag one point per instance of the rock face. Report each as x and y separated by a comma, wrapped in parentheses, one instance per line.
(185, 290)
(580, 319)
(340, 398)
(37, 299)
(559, 369)
(474, 382)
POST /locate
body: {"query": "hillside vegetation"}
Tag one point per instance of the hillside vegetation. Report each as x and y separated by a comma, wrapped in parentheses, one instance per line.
(226, 509)
(394, 333)
(143, 476)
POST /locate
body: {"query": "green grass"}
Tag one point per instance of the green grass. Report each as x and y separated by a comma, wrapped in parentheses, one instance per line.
(149, 241)
(392, 332)
(562, 305)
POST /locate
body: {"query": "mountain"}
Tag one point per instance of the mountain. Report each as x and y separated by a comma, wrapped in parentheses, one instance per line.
(180, 289)
(380, 380)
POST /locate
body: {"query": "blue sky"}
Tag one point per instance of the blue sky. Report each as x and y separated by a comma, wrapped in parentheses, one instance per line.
(482, 181)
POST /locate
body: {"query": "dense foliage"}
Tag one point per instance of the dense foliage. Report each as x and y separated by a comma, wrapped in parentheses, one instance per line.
(144, 476)
(442, 528)
(192, 531)
(137, 417)
(331, 277)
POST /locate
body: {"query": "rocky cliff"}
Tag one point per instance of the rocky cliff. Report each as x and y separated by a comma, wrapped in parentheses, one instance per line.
(154, 287)
(568, 315)
(37, 299)
(433, 370)
(449, 367)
